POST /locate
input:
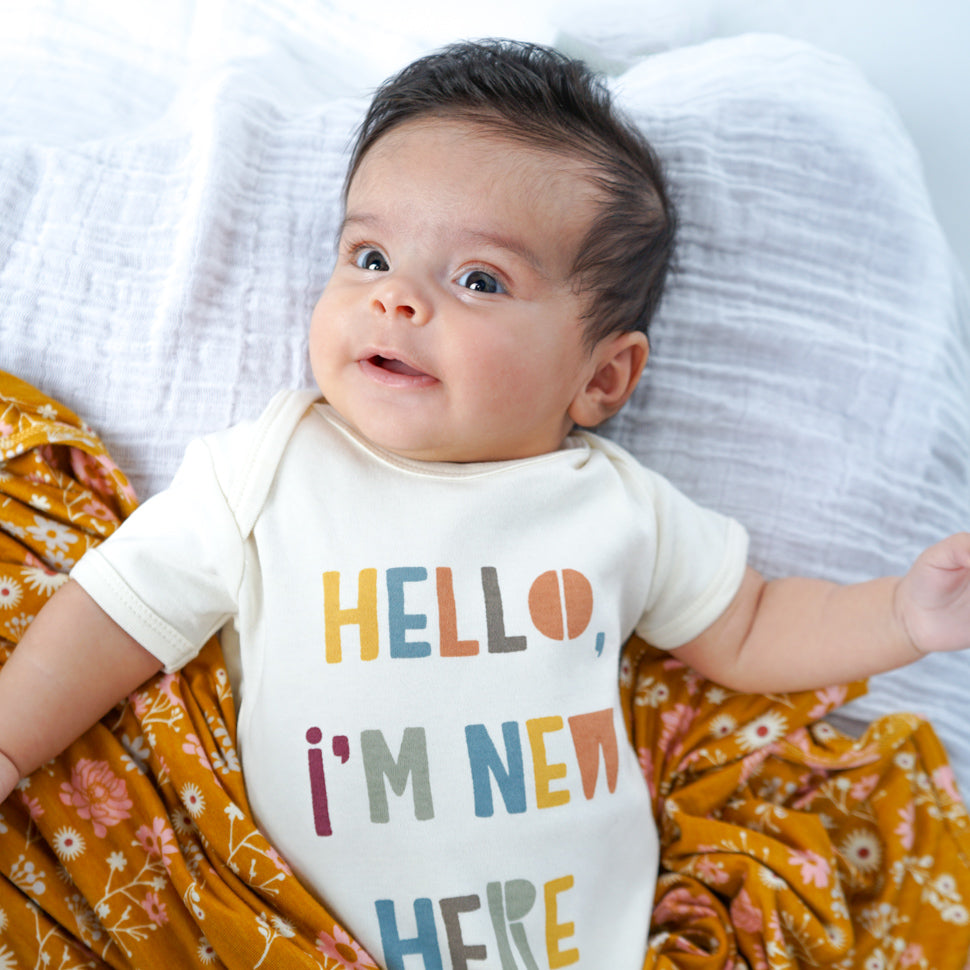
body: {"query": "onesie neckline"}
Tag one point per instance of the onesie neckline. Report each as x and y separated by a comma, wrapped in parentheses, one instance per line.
(574, 450)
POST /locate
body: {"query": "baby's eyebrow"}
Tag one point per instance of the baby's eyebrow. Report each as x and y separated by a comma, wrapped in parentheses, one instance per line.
(356, 219)
(515, 246)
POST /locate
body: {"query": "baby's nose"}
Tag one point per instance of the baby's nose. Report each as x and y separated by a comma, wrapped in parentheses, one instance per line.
(403, 300)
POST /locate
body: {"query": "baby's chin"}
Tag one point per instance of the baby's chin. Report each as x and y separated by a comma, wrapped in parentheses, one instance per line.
(416, 437)
(423, 447)
(410, 445)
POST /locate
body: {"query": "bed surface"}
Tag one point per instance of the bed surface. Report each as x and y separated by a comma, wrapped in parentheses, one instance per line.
(169, 195)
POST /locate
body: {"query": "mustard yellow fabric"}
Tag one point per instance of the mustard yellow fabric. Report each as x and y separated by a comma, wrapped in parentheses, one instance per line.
(784, 843)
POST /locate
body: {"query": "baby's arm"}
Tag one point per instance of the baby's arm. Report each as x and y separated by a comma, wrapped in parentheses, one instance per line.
(73, 664)
(798, 634)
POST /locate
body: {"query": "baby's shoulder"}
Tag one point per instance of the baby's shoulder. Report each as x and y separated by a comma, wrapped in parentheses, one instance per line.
(246, 457)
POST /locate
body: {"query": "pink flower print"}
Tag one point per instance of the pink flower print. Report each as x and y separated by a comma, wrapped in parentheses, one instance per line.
(710, 871)
(863, 788)
(155, 909)
(33, 806)
(692, 681)
(344, 950)
(906, 830)
(912, 956)
(800, 739)
(98, 511)
(815, 868)
(158, 841)
(680, 903)
(140, 702)
(112, 471)
(98, 794)
(745, 914)
(945, 780)
(167, 684)
(645, 757)
(675, 724)
(279, 862)
(760, 958)
(193, 745)
(829, 698)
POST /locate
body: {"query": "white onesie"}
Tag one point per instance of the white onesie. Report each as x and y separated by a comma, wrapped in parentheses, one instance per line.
(429, 719)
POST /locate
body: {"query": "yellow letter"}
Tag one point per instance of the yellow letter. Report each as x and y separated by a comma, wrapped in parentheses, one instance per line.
(364, 614)
(556, 932)
(544, 771)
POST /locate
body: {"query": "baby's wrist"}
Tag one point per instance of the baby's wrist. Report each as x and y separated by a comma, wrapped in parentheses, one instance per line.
(903, 628)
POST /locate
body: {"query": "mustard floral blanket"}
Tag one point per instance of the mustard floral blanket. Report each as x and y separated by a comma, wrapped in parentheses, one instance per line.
(784, 843)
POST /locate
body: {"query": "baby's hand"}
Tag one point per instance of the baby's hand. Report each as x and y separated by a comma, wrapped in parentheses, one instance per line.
(933, 599)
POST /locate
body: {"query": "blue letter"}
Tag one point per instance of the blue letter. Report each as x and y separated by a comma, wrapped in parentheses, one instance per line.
(483, 757)
(400, 622)
(425, 943)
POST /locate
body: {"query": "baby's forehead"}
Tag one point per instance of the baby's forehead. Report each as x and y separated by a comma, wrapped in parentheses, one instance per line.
(488, 135)
(540, 175)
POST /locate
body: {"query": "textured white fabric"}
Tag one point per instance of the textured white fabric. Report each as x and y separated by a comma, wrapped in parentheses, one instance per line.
(500, 597)
(167, 212)
(811, 362)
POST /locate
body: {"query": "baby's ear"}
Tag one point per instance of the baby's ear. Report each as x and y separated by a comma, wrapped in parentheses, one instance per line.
(617, 362)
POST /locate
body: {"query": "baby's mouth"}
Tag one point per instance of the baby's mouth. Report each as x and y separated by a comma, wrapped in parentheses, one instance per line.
(395, 366)
(394, 372)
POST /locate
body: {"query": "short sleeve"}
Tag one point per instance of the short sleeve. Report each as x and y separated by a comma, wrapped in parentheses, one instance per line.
(701, 557)
(170, 575)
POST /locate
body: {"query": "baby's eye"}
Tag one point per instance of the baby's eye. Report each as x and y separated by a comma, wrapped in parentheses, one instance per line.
(480, 281)
(372, 259)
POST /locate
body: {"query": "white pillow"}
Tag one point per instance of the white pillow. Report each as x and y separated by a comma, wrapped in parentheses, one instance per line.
(811, 358)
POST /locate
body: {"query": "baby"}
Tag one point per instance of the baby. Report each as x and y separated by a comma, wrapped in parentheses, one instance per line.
(430, 572)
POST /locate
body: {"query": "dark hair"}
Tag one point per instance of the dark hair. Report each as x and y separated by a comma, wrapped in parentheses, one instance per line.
(541, 97)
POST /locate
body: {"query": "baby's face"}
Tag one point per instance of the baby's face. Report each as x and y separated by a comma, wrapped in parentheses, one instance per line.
(450, 330)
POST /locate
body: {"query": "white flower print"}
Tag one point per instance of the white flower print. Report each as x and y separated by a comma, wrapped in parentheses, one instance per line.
(875, 961)
(862, 850)
(206, 951)
(8, 960)
(54, 536)
(762, 730)
(61, 560)
(10, 593)
(192, 800)
(42, 580)
(181, 821)
(117, 861)
(837, 936)
(136, 758)
(722, 725)
(68, 843)
(823, 731)
(956, 914)
(716, 695)
(283, 927)
(234, 811)
(27, 877)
